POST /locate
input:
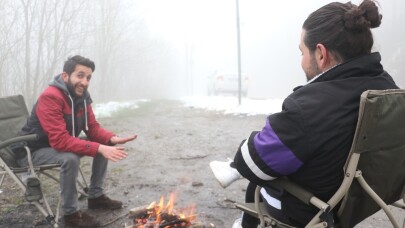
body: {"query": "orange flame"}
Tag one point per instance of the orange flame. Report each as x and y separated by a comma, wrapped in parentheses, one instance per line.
(158, 213)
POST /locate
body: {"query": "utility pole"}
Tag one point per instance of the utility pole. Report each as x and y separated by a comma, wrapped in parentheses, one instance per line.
(239, 57)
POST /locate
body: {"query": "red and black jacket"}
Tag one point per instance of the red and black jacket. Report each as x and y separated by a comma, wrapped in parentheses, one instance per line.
(58, 119)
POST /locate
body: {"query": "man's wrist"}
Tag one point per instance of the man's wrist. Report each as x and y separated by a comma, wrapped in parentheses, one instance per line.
(110, 142)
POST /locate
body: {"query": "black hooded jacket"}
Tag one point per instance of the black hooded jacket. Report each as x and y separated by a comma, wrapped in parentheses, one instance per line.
(309, 140)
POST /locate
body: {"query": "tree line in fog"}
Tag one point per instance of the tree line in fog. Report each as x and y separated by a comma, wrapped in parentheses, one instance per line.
(37, 36)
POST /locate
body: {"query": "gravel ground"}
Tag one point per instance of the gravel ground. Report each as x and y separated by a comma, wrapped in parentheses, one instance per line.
(171, 154)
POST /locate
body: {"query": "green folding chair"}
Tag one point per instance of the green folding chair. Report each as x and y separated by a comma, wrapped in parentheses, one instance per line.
(374, 173)
(13, 116)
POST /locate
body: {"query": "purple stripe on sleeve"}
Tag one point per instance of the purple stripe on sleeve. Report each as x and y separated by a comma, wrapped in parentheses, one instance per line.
(274, 153)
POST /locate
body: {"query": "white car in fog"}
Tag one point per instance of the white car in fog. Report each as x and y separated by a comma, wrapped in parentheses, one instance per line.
(227, 82)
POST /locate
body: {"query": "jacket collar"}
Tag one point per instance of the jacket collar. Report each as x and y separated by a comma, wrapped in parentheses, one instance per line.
(365, 65)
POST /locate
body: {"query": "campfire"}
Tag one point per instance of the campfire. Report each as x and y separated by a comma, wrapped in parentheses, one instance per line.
(164, 215)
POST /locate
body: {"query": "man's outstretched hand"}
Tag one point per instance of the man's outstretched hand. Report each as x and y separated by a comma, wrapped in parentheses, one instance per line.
(119, 140)
(115, 153)
(112, 153)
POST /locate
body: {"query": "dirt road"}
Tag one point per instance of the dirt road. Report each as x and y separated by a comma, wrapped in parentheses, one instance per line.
(174, 147)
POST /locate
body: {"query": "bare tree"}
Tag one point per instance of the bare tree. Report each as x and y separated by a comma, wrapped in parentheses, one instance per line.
(49, 28)
(8, 42)
(110, 32)
(41, 34)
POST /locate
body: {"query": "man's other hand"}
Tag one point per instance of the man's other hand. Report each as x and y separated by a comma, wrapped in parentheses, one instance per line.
(112, 153)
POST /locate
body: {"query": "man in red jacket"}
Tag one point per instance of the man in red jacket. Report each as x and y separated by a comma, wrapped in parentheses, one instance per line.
(61, 113)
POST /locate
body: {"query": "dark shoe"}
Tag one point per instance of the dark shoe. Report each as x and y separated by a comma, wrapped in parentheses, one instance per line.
(33, 191)
(103, 202)
(80, 219)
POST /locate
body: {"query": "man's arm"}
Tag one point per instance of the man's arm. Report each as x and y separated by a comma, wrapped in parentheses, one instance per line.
(95, 132)
(265, 155)
(106, 139)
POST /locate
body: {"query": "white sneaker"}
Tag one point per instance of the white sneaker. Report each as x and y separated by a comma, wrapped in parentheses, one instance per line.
(224, 173)
(237, 223)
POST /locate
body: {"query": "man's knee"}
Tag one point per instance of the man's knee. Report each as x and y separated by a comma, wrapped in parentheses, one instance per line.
(69, 160)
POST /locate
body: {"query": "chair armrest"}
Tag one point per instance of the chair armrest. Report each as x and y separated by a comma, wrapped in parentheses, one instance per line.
(299, 192)
(32, 137)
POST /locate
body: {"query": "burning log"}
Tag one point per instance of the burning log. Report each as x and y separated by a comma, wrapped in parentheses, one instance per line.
(194, 225)
(181, 222)
(140, 212)
(159, 215)
(175, 221)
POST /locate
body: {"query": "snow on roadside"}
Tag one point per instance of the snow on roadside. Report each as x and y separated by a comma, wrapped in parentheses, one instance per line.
(108, 109)
(230, 105)
(227, 105)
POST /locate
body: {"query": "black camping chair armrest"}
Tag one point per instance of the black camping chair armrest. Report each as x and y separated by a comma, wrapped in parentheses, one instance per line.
(32, 137)
(299, 192)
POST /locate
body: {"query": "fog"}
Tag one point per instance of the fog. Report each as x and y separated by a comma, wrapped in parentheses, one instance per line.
(158, 49)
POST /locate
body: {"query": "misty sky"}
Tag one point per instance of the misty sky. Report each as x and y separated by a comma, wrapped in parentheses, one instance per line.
(154, 49)
(270, 32)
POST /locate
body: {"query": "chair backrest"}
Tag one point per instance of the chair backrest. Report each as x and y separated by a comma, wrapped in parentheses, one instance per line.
(380, 141)
(13, 116)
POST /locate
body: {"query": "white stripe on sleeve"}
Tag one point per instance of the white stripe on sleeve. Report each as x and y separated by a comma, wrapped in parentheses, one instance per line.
(251, 164)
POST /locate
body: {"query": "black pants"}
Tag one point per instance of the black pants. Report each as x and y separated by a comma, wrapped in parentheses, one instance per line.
(249, 221)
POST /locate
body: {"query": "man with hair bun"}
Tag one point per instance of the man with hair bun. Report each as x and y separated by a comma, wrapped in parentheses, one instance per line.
(309, 140)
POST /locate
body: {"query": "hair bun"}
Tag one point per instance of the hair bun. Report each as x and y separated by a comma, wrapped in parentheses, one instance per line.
(354, 19)
(371, 13)
(365, 16)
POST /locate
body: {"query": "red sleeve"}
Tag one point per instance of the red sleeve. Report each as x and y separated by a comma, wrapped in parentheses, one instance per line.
(95, 132)
(50, 114)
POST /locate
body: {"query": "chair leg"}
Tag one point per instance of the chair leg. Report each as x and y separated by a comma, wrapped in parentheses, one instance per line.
(257, 207)
(50, 218)
(376, 198)
(46, 212)
(2, 179)
(46, 209)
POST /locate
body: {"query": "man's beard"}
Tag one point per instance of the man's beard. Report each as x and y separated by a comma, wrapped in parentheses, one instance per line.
(71, 89)
(313, 69)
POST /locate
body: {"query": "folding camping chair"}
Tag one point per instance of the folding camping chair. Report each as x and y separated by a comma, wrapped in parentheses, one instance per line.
(376, 161)
(13, 116)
